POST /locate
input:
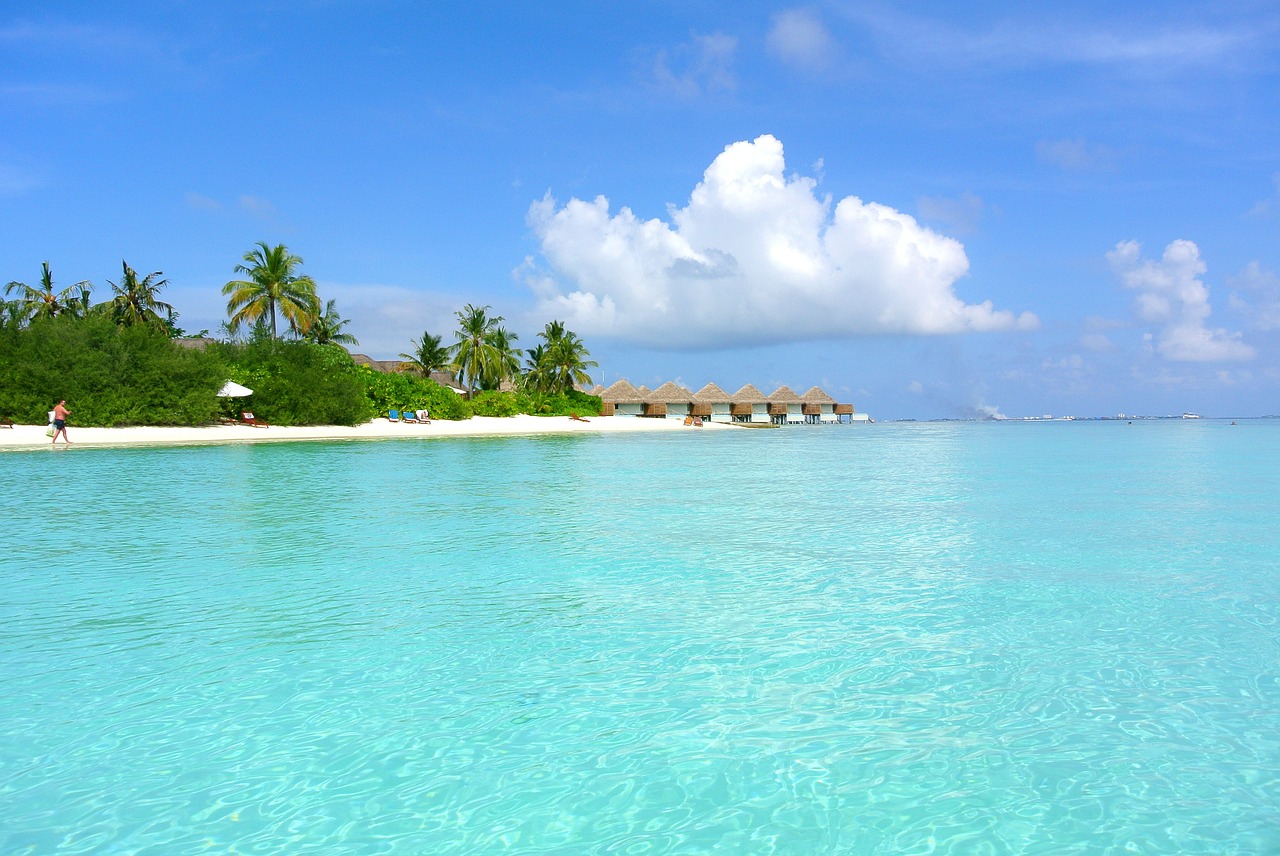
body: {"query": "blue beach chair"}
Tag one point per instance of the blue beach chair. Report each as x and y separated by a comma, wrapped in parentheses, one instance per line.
(393, 415)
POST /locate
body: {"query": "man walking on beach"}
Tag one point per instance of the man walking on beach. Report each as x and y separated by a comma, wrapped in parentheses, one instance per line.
(60, 413)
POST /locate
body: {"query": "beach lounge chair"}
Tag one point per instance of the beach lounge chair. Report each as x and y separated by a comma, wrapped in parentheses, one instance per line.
(576, 418)
(6, 422)
(251, 420)
(424, 417)
(408, 416)
(393, 415)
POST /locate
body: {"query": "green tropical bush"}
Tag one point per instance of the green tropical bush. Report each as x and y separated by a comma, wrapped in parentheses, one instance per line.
(108, 374)
(408, 391)
(564, 404)
(298, 383)
(494, 403)
(535, 403)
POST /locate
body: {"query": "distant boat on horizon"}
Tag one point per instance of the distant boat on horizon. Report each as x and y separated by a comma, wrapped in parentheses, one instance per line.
(1190, 415)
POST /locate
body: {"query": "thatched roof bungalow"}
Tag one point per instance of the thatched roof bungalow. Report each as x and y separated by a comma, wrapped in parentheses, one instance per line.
(621, 399)
(749, 405)
(785, 406)
(670, 400)
(818, 407)
(713, 403)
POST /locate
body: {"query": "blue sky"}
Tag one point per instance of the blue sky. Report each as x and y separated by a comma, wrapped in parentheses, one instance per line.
(1013, 208)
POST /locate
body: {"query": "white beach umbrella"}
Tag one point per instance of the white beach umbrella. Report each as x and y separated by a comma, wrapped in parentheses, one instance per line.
(231, 389)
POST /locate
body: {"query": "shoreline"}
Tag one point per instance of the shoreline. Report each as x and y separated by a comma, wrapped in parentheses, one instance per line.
(23, 437)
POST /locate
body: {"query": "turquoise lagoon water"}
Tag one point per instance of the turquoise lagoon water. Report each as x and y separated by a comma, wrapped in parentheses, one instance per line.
(930, 638)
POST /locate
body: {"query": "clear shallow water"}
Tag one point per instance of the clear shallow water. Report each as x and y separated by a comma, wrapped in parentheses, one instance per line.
(951, 638)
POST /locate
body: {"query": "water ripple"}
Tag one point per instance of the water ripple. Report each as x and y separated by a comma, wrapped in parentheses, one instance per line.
(886, 641)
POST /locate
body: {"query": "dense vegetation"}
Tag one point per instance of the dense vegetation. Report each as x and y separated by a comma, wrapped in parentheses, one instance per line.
(296, 383)
(117, 362)
(109, 375)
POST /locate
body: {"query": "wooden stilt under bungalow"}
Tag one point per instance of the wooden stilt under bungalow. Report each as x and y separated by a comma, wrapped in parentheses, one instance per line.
(818, 408)
(749, 405)
(712, 403)
(785, 406)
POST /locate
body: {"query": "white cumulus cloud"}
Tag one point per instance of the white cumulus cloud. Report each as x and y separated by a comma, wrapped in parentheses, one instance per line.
(754, 257)
(1171, 295)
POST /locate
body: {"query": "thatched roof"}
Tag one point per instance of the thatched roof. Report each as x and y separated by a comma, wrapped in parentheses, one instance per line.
(670, 393)
(378, 365)
(784, 395)
(194, 343)
(446, 379)
(711, 394)
(643, 390)
(817, 396)
(596, 390)
(748, 395)
(622, 392)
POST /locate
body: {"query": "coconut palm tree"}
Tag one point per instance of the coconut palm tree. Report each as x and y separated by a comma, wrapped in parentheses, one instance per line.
(326, 328)
(80, 305)
(553, 332)
(505, 363)
(10, 314)
(43, 302)
(135, 301)
(565, 357)
(473, 353)
(428, 355)
(535, 369)
(273, 284)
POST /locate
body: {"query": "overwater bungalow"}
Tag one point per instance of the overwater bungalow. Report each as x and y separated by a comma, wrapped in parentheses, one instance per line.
(749, 405)
(621, 399)
(670, 400)
(785, 406)
(712, 403)
(818, 408)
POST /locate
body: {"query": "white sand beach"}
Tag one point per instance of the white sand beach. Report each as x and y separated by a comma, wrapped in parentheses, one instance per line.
(33, 436)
